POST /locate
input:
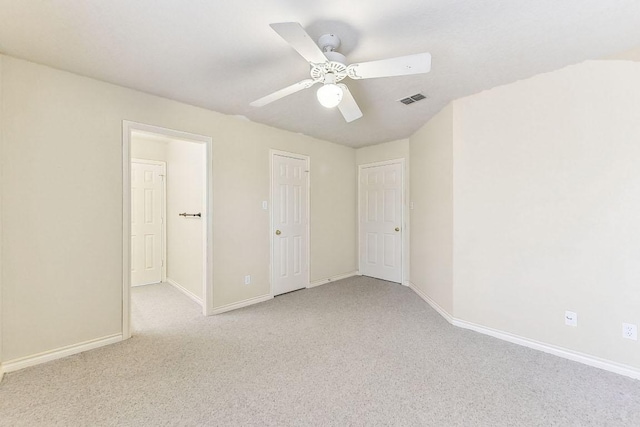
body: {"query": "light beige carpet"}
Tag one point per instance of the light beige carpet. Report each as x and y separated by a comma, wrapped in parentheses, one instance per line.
(355, 352)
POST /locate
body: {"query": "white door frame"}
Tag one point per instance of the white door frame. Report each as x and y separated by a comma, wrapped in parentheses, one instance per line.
(163, 209)
(128, 127)
(403, 227)
(307, 160)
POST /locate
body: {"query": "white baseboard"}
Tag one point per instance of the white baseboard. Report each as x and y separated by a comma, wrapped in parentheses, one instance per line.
(432, 303)
(576, 356)
(331, 279)
(240, 304)
(59, 353)
(1, 372)
(145, 284)
(185, 291)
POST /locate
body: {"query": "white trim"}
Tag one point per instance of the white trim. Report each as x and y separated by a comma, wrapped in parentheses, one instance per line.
(383, 163)
(149, 162)
(307, 159)
(1, 228)
(59, 353)
(185, 291)
(147, 284)
(403, 212)
(1, 372)
(565, 353)
(127, 128)
(240, 304)
(432, 303)
(331, 279)
(163, 213)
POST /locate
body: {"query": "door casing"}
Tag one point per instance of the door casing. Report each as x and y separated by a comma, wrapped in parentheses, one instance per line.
(403, 228)
(128, 127)
(307, 160)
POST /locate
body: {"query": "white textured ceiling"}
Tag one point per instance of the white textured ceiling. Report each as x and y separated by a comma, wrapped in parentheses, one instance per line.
(223, 55)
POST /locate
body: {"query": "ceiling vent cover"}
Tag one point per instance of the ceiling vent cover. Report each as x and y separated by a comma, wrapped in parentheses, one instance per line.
(413, 98)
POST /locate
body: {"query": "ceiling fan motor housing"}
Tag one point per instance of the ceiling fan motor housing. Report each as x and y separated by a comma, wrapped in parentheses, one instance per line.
(331, 70)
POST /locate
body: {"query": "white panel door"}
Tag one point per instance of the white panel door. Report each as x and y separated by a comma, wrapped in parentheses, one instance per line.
(290, 222)
(381, 222)
(147, 192)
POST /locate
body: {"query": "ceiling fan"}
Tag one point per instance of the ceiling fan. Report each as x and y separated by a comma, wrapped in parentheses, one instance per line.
(329, 67)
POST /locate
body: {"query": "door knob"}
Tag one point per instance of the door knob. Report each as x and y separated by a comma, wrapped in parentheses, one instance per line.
(397, 228)
(278, 232)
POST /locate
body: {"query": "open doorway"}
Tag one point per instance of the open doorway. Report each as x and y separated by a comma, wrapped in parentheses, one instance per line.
(166, 217)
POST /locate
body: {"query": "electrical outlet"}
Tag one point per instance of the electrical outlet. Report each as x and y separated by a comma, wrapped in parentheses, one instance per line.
(247, 279)
(630, 331)
(265, 205)
(570, 318)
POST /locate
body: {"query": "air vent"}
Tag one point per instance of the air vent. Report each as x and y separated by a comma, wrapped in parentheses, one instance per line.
(413, 98)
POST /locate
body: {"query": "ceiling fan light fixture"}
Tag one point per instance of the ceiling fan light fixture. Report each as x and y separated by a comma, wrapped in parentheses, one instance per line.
(329, 95)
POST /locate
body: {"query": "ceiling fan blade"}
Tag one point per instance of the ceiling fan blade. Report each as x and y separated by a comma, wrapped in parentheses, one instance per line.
(297, 87)
(348, 106)
(400, 66)
(297, 37)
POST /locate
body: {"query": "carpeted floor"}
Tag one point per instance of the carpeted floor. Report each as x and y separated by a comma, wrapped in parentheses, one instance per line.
(356, 352)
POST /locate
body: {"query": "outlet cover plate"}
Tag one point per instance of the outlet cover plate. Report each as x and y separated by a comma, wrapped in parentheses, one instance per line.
(570, 318)
(630, 331)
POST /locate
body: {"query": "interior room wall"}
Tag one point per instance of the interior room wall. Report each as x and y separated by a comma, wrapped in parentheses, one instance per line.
(186, 178)
(391, 151)
(62, 206)
(431, 150)
(534, 186)
(380, 152)
(546, 185)
(143, 147)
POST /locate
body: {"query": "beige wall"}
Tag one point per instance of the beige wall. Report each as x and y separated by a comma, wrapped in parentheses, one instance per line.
(391, 151)
(432, 214)
(546, 175)
(148, 149)
(388, 151)
(62, 210)
(186, 184)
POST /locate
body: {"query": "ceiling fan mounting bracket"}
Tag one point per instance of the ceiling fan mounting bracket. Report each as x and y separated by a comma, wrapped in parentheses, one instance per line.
(328, 42)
